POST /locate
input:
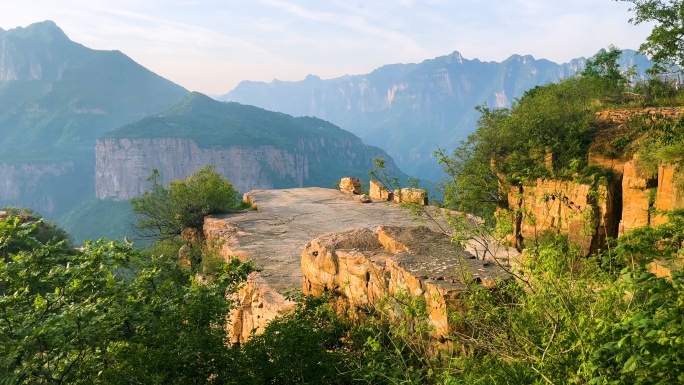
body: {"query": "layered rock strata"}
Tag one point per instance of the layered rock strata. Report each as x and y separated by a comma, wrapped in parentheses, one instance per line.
(274, 234)
(589, 213)
(365, 266)
(123, 165)
(583, 212)
(623, 115)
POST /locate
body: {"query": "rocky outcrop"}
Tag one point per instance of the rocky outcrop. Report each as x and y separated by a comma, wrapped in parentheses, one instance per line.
(256, 305)
(350, 186)
(636, 197)
(284, 221)
(394, 262)
(670, 195)
(621, 116)
(583, 212)
(122, 165)
(589, 213)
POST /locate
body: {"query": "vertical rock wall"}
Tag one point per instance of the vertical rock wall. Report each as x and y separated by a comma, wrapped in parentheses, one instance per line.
(583, 213)
(590, 215)
(123, 165)
(637, 190)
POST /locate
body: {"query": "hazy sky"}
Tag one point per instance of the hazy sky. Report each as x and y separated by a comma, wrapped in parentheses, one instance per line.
(211, 45)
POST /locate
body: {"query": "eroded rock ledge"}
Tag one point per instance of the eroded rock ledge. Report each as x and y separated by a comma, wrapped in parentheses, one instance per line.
(285, 221)
(365, 266)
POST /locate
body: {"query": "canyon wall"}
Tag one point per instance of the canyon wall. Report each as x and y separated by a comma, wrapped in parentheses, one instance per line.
(590, 212)
(34, 184)
(585, 213)
(123, 165)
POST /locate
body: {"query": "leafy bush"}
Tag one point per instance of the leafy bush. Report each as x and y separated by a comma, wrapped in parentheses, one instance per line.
(163, 212)
(106, 314)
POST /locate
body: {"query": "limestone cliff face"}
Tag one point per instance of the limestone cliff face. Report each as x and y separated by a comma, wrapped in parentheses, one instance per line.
(28, 184)
(122, 165)
(584, 213)
(588, 215)
(394, 262)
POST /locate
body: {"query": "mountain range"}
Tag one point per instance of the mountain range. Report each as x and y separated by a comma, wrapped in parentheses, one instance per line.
(411, 109)
(56, 98)
(82, 129)
(252, 147)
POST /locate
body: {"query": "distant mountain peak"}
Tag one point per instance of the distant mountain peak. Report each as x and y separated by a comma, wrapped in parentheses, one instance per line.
(193, 101)
(408, 108)
(456, 56)
(45, 31)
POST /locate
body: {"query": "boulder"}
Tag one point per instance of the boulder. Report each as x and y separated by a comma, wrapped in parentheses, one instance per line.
(411, 195)
(350, 186)
(379, 192)
(365, 199)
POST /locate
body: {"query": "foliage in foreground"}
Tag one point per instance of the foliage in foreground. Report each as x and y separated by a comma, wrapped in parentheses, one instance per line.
(106, 314)
(109, 314)
(571, 320)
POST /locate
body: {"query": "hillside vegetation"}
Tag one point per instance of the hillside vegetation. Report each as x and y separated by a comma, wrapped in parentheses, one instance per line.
(106, 313)
(560, 120)
(214, 124)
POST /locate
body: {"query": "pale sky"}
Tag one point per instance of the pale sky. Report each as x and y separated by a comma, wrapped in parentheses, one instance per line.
(211, 45)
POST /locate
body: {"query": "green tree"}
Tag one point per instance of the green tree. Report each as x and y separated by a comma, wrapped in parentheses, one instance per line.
(163, 212)
(512, 145)
(105, 313)
(665, 44)
(605, 70)
(46, 230)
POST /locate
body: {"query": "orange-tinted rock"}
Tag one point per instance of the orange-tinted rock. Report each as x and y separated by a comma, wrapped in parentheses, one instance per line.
(274, 235)
(350, 186)
(635, 197)
(256, 305)
(365, 267)
(669, 197)
(411, 195)
(561, 207)
(379, 192)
